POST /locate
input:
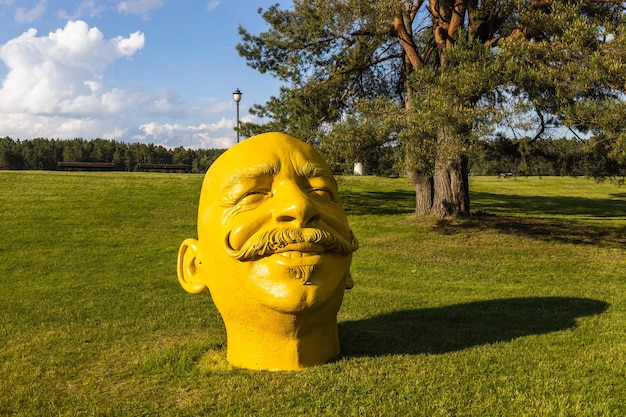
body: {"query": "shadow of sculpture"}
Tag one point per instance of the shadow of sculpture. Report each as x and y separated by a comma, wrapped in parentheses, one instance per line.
(457, 327)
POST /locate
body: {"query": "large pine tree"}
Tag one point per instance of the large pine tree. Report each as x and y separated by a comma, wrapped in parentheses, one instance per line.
(442, 73)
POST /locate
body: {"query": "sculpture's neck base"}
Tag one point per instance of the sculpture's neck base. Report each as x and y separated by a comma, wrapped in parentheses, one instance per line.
(290, 345)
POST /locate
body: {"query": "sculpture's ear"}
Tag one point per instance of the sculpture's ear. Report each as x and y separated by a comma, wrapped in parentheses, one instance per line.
(349, 281)
(187, 267)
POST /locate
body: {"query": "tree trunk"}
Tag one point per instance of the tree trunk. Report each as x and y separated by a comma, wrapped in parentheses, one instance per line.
(423, 185)
(451, 190)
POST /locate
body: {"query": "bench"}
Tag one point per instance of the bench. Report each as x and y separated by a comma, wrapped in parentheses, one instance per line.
(162, 167)
(93, 166)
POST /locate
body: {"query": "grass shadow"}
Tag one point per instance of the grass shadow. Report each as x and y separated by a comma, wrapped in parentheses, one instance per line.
(549, 230)
(457, 327)
(596, 208)
(566, 228)
(379, 203)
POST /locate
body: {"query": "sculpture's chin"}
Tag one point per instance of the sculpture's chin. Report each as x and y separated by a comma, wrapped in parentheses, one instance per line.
(294, 284)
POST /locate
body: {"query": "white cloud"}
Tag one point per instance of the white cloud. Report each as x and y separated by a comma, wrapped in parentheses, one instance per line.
(56, 73)
(54, 83)
(128, 46)
(29, 126)
(206, 135)
(141, 8)
(213, 5)
(55, 87)
(88, 8)
(30, 15)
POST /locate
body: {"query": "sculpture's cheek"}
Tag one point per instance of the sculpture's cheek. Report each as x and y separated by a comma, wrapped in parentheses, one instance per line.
(243, 230)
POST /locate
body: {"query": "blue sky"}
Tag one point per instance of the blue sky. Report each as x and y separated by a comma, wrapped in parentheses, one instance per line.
(150, 71)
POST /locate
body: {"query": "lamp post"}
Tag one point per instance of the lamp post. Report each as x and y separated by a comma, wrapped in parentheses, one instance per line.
(237, 97)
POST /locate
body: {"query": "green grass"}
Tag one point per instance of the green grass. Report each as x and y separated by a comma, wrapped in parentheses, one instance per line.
(519, 310)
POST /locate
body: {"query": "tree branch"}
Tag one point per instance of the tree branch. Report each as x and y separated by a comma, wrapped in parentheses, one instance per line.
(542, 127)
(414, 9)
(538, 4)
(458, 14)
(406, 41)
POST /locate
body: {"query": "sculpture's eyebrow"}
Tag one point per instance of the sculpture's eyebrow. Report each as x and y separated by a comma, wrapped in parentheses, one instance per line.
(250, 173)
(311, 170)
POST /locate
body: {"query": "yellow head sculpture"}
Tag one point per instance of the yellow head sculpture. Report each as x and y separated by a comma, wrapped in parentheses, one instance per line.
(274, 249)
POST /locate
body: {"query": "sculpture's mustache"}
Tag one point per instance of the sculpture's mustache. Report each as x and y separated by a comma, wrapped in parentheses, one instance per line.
(276, 240)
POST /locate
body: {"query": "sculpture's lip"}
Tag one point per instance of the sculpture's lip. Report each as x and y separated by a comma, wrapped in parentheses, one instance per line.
(304, 248)
(298, 254)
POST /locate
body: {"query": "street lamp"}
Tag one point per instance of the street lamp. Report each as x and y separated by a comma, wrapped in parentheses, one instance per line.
(237, 97)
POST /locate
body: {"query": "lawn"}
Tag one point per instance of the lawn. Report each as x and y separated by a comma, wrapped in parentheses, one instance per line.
(519, 310)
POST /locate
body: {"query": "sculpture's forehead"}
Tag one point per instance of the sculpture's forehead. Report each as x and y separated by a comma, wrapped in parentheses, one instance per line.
(273, 149)
(278, 154)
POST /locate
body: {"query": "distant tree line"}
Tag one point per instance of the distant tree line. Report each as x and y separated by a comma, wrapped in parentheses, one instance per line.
(45, 154)
(494, 156)
(558, 157)
(498, 155)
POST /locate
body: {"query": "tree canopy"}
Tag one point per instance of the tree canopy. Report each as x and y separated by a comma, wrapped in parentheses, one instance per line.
(437, 76)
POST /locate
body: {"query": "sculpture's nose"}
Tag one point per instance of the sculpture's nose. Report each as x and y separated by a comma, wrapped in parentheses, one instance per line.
(294, 207)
